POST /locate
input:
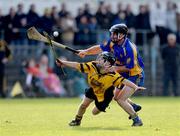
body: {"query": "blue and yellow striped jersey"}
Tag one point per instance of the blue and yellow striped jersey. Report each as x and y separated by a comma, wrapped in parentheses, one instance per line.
(126, 55)
(100, 82)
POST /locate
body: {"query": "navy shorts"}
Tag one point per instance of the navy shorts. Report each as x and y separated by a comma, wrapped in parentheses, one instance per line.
(138, 79)
(89, 93)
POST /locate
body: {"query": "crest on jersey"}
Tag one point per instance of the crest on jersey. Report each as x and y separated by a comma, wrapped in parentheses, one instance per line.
(128, 60)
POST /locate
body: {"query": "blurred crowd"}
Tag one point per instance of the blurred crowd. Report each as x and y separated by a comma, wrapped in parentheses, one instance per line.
(43, 81)
(82, 28)
(86, 28)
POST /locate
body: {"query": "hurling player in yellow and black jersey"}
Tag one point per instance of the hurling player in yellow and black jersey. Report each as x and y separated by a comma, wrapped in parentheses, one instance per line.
(101, 81)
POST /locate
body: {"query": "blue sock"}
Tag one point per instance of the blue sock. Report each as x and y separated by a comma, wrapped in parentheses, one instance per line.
(136, 107)
(136, 119)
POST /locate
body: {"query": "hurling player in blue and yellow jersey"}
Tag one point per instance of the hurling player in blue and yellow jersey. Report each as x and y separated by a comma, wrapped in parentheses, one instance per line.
(102, 81)
(129, 63)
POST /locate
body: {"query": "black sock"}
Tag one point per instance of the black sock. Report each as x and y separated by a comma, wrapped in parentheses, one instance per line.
(78, 118)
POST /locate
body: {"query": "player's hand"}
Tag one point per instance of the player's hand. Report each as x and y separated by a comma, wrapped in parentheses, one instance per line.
(82, 53)
(140, 88)
(59, 62)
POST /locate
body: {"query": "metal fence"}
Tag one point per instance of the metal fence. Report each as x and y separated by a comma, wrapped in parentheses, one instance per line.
(149, 49)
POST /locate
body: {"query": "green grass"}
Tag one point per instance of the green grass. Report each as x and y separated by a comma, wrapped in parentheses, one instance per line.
(50, 117)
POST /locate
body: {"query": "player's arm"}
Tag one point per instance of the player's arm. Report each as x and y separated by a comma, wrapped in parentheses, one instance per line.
(121, 69)
(118, 80)
(81, 67)
(132, 85)
(90, 51)
(71, 64)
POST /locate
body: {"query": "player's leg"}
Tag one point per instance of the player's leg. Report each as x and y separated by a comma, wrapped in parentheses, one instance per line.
(81, 110)
(89, 97)
(166, 81)
(174, 82)
(139, 80)
(135, 106)
(123, 96)
(2, 94)
(95, 111)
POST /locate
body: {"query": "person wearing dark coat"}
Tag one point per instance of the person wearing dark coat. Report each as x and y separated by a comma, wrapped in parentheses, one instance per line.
(170, 56)
(5, 53)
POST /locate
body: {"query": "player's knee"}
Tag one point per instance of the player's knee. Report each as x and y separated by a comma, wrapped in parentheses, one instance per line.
(95, 111)
(118, 98)
(122, 98)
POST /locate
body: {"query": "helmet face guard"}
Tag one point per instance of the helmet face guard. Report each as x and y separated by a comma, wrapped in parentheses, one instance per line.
(118, 32)
(105, 60)
(115, 37)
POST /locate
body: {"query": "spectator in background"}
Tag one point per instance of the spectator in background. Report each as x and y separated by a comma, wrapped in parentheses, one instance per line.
(9, 26)
(46, 23)
(49, 81)
(103, 22)
(68, 80)
(170, 56)
(120, 7)
(68, 27)
(41, 81)
(119, 18)
(130, 18)
(171, 18)
(63, 12)
(79, 15)
(142, 23)
(158, 21)
(1, 24)
(54, 15)
(87, 10)
(32, 72)
(93, 27)
(4, 55)
(20, 25)
(109, 14)
(102, 18)
(33, 19)
(82, 36)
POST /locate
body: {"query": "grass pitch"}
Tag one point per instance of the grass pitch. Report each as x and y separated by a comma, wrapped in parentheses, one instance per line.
(50, 117)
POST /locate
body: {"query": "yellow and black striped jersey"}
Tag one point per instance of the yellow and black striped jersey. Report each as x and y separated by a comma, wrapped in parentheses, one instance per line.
(100, 82)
